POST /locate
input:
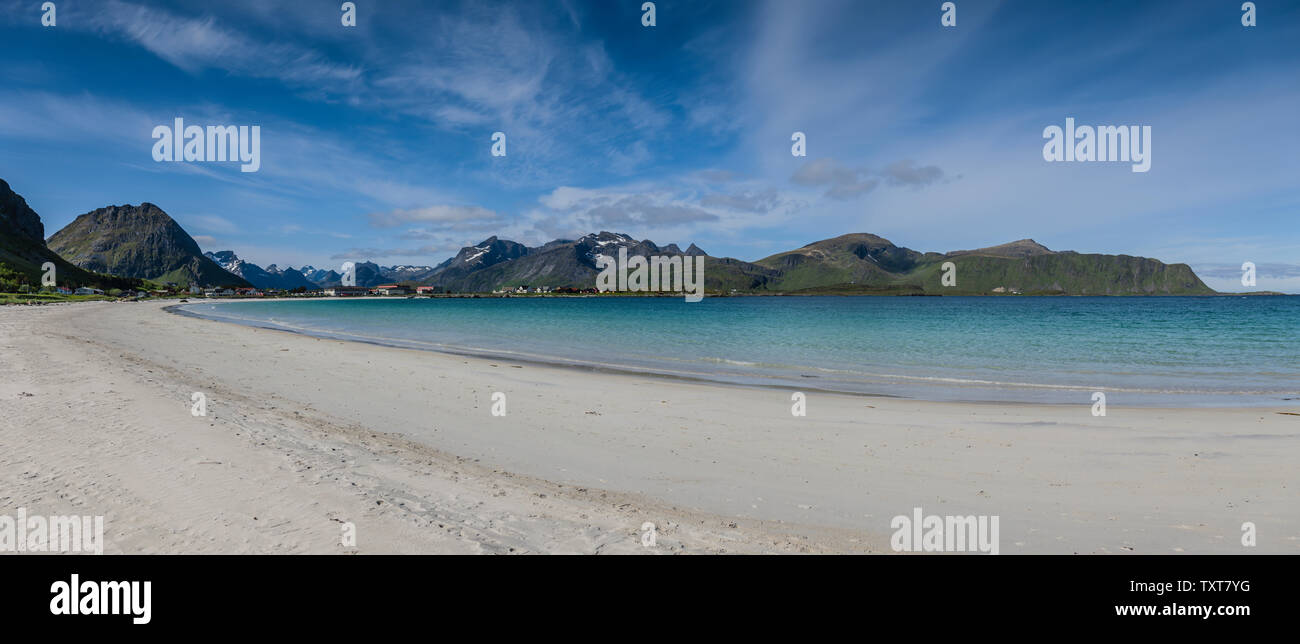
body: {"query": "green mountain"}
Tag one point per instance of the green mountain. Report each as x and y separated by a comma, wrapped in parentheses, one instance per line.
(23, 250)
(868, 263)
(139, 241)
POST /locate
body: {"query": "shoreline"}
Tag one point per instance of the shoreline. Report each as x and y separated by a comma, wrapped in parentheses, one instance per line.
(1146, 397)
(312, 432)
(530, 360)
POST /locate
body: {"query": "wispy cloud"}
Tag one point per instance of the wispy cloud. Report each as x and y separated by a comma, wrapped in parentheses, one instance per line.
(195, 44)
(379, 135)
(209, 223)
(844, 182)
(448, 217)
(367, 254)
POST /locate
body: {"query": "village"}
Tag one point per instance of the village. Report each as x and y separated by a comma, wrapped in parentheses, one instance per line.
(384, 290)
(48, 294)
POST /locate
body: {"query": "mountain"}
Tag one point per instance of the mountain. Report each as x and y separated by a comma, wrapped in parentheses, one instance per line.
(488, 253)
(405, 273)
(309, 277)
(269, 278)
(23, 250)
(321, 277)
(866, 263)
(857, 258)
(854, 263)
(1019, 248)
(139, 241)
(368, 274)
(495, 263)
(289, 278)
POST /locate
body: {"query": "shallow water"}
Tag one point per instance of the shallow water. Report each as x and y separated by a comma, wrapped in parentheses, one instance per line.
(1181, 351)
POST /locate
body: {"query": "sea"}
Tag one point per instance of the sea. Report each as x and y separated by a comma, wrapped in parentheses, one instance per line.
(1145, 351)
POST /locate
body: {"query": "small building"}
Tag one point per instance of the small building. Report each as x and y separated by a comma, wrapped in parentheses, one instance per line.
(218, 292)
(346, 291)
(86, 290)
(248, 292)
(426, 290)
(390, 289)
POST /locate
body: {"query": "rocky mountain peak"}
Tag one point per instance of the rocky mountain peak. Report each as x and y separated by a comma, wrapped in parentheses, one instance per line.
(18, 217)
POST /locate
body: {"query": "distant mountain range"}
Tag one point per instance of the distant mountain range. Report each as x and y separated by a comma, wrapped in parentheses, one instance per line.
(321, 277)
(853, 263)
(144, 242)
(495, 263)
(270, 277)
(368, 274)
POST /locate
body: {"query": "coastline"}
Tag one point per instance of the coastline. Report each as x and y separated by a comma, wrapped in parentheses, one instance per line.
(537, 361)
(808, 373)
(304, 433)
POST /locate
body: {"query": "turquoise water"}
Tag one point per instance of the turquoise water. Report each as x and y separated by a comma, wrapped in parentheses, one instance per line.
(1184, 351)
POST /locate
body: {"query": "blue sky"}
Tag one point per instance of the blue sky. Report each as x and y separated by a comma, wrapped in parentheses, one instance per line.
(376, 139)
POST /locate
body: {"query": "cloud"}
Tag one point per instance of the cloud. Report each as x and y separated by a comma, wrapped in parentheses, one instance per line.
(520, 69)
(440, 217)
(841, 182)
(524, 71)
(195, 44)
(416, 234)
(643, 211)
(844, 182)
(600, 208)
(678, 209)
(905, 173)
(430, 250)
(74, 118)
(717, 176)
(744, 201)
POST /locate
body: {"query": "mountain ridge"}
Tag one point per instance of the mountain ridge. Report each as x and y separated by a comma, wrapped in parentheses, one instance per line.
(144, 242)
(853, 262)
(270, 277)
(23, 250)
(138, 241)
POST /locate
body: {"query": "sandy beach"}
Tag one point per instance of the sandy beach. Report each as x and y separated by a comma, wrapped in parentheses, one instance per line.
(304, 435)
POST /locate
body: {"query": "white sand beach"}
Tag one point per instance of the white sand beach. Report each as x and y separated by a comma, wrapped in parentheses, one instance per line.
(303, 435)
